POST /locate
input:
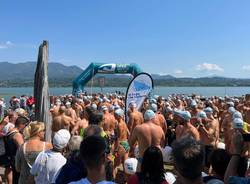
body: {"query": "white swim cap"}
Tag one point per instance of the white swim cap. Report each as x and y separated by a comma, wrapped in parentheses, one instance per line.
(148, 115)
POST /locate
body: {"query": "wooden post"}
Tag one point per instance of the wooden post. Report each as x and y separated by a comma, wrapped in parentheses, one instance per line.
(41, 90)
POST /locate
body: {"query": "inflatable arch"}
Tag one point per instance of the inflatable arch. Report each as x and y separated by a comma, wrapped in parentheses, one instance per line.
(94, 68)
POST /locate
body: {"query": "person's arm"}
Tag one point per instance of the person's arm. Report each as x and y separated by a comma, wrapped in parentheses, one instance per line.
(133, 137)
(130, 123)
(4, 122)
(237, 141)
(209, 133)
(18, 138)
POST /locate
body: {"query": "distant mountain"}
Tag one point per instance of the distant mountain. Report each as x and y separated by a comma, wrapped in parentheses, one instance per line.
(10, 71)
(158, 77)
(22, 75)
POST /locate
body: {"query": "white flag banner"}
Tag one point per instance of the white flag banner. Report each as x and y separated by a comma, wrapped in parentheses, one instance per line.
(139, 89)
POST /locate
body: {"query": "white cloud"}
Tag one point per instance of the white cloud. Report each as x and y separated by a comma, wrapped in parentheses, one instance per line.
(246, 67)
(6, 45)
(209, 67)
(178, 72)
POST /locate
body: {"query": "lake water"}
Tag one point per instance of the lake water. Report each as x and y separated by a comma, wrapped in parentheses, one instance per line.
(163, 91)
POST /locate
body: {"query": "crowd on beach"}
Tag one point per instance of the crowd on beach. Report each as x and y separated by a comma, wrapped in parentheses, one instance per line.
(183, 139)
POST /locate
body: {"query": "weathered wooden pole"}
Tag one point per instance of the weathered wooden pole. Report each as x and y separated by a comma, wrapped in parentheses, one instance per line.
(41, 90)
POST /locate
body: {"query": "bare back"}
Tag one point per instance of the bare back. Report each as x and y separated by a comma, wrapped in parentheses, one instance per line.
(149, 134)
(61, 122)
(135, 118)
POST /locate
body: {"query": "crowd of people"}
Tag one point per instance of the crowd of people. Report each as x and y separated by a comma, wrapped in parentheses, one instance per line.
(178, 139)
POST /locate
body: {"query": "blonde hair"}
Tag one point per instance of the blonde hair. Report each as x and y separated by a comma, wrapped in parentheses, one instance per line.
(33, 129)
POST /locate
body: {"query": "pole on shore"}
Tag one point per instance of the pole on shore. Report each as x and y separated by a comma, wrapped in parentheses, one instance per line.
(41, 90)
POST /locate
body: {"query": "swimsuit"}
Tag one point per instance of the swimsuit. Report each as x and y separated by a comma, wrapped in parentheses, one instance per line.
(125, 145)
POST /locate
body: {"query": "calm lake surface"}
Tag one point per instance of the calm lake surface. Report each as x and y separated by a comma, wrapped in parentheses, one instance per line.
(163, 91)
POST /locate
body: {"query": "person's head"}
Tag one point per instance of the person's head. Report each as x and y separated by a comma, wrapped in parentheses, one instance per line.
(168, 113)
(62, 109)
(208, 111)
(12, 116)
(231, 110)
(74, 143)
(35, 129)
(153, 107)
(182, 117)
(95, 118)
(152, 167)
(105, 109)
(60, 139)
(93, 152)
(149, 115)
(92, 130)
(132, 106)
(21, 123)
(188, 158)
(219, 160)
(119, 114)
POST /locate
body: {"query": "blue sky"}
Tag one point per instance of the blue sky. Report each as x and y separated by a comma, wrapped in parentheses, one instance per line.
(178, 37)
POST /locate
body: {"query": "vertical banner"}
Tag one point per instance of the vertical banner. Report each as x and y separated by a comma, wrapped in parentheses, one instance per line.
(139, 89)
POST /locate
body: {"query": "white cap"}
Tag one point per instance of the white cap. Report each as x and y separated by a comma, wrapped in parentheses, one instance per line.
(104, 108)
(61, 139)
(94, 106)
(237, 114)
(130, 166)
(231, 110)
(238, 123)
(119, 112)
(202, 115)
(148, 115)
(132, 104)
(231, 104)
(153, 107)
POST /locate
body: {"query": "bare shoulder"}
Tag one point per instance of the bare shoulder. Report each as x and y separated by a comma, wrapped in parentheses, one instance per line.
(48, 145)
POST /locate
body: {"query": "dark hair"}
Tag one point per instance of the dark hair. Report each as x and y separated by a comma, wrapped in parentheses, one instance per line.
(91, 150)
(189, 157)
(92, 130)
(219, 160)
(21, 120)
(95, 118)
(152, 169)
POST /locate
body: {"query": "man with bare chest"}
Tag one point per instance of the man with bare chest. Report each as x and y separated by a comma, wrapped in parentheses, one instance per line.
(159, 118)
(135, 117)
(122, 133)
(109, 121)
(147, 134)
(184, 127)
(227, 127)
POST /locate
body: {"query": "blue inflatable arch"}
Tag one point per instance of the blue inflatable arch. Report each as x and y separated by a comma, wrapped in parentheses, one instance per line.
(110, 68)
